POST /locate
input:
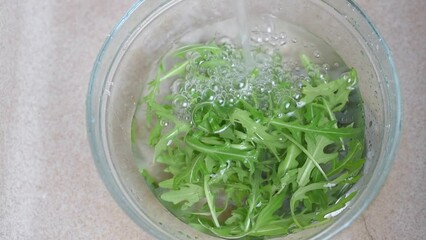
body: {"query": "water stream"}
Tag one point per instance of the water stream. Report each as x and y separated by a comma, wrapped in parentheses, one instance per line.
(244, 31)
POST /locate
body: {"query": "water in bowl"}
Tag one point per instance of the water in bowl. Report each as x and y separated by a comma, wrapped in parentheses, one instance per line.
(256, 47)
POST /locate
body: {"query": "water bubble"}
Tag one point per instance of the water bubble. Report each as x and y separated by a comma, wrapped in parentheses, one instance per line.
(253, 38)
(317, 54)
(164, 123)
(300, 104)
(220, 100)
(329, 185)
(282, 43)
(326, 67)
(287, 105)
(294, 40)
(269, 51)
(225, 40)
(291, 114)
(185, 104)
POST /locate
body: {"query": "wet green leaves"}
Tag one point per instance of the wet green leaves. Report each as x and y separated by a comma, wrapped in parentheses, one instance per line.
(256, 167)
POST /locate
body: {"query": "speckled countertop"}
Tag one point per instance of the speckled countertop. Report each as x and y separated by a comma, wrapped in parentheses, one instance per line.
(49, 187)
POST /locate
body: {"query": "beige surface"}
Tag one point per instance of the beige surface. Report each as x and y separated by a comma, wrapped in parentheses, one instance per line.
(49, 187)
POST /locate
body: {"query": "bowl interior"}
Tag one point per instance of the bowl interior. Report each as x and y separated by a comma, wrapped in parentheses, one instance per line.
(151, 28)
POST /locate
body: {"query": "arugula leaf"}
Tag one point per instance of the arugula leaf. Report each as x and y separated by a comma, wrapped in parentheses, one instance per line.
(274, 228)
(316, 145)
(188, 193)
(336, 208)
(331, 133)
(198, 48)
(224, 151)
(256, 132)
(301, 194)
(268, 213)
(210, 201)
(265, 164)
(290, 161)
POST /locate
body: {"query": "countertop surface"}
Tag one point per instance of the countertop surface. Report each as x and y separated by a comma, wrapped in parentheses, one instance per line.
(49, 186)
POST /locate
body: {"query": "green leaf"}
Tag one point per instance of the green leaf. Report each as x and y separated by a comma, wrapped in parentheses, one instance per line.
(155, 134)
(168, 183)
(299, 195)
(336, 208)
(165, 141)
(310, 158)
(335, 92)
(355, 151)
(199, 48)
(316, 145)
(290, 161)
(289, 178)
(177, 70)
(151, 181)
(256, 132)
(274, 228)
(210, 201)
(237, 216)
(332, 133)
(221, 151)
(267, 165)
(189, 194)
(267, 214)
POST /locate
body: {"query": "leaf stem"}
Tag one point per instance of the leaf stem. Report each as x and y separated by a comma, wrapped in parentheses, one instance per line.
(305, 151)
(210, 201)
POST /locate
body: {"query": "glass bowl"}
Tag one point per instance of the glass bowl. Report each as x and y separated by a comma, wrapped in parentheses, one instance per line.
(151, 27)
